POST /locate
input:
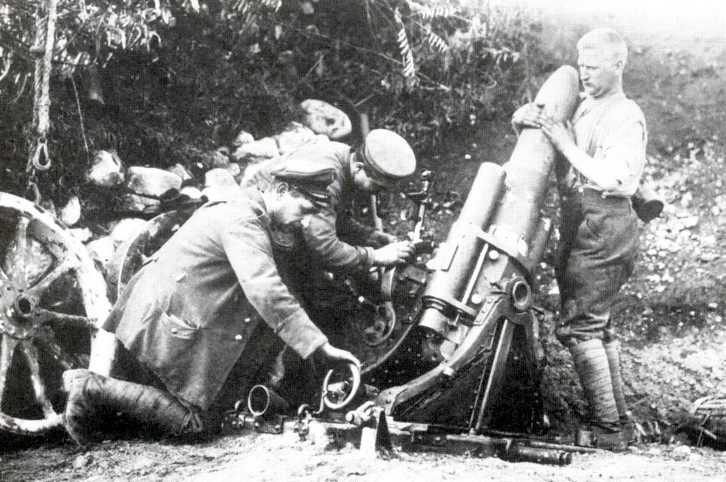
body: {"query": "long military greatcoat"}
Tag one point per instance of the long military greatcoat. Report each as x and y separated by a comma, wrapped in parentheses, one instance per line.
(185, 315)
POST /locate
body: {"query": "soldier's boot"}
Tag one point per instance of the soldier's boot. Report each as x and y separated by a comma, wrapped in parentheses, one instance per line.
(612, 350)
(88, 391)
(591, 364)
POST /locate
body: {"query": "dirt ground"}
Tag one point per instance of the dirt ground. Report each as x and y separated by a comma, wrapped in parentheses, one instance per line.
(671, 316)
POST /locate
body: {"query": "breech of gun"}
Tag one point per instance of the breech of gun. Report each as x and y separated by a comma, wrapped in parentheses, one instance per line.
(455, 261)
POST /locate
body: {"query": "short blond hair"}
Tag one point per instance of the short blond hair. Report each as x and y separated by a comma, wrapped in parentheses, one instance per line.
(605, 39)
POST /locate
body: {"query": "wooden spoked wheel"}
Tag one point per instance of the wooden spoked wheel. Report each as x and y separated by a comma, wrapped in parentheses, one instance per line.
(51, 300)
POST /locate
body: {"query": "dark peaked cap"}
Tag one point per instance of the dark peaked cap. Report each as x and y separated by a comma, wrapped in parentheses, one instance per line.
(310, 178)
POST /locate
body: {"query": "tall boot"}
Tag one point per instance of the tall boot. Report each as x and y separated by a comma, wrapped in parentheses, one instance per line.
(591, 364)
(612, 350)
(88, 391)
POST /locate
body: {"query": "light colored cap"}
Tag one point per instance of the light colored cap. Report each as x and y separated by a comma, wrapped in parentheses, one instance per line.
(388, 155)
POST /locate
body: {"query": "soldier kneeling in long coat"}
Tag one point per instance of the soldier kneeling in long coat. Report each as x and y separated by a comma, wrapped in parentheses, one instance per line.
(183, 318)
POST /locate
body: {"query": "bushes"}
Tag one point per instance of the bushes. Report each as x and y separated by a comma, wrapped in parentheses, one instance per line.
(188, 76)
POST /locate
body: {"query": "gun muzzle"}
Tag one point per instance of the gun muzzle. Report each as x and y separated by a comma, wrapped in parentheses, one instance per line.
(264, 401)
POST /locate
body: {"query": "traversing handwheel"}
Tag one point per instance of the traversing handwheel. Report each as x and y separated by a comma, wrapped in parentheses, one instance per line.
(340, 386)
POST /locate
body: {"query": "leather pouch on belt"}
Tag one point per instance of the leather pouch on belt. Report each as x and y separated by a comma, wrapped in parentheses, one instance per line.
(646, 203)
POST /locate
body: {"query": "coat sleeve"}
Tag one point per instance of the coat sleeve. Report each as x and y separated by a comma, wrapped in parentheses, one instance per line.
(322, 237)
(355, 232)
(248, 248)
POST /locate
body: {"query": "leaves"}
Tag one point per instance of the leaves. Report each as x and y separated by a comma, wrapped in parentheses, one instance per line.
(243, 64)
(428, 12)
(409, 69)
(436, 42)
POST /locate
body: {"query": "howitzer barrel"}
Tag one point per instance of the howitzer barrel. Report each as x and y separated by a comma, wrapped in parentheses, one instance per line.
(507, 199)
(462, 246)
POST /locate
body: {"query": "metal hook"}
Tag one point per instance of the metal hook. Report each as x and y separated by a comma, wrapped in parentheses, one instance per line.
(41, 148)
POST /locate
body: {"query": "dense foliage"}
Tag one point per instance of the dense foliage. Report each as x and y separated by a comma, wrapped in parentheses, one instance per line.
(163, 80)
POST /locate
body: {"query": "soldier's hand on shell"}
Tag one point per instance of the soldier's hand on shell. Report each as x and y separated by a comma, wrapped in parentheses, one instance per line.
(559, 133)
(336, 354)
(394, 253)
(526, 116)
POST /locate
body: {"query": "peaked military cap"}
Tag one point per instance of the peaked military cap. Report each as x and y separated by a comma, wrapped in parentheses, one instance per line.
(310, 178)
(388, 156)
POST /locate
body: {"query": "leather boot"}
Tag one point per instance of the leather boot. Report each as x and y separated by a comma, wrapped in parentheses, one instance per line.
(591, 364)
(88, 391)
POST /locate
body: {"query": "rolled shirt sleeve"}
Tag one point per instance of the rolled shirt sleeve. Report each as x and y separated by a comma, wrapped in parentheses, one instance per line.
(624, 152)
(248, 248)
(619, 141)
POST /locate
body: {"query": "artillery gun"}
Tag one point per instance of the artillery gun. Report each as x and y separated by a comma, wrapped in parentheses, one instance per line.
(453, 344)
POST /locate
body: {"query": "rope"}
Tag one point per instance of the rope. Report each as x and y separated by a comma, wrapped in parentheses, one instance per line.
(44, 38)
(39, 158)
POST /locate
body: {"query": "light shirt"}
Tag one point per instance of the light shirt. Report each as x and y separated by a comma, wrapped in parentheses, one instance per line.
(612, 130)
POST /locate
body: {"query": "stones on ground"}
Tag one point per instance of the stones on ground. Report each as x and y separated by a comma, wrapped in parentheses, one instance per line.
(102, 250)
(150, 181)
(242, 138)
(256, 151)
(191, 192)
(106, 169)
(139, 204)
(180, 171)
(323, 118)
(146, 185)
(690, 222)
(219, 183)
(81, 461)
(214, 159)
(70, 214)
(124, 229)
(708, 257)
(39, 260)
(681, 452)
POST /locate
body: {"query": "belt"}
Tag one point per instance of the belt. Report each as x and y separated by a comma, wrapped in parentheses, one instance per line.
(591, 193)
(593, 196)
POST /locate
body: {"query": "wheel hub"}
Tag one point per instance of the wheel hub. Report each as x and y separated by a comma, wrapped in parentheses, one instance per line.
(18, 314)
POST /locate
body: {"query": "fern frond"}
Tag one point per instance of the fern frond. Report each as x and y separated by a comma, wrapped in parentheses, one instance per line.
(242, 6)
(430, 12)
(409, 68)
(436, 42)
(273, 4)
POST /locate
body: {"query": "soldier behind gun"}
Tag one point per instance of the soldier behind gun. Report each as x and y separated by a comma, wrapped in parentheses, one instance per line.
(332, 235)
(182, 319)
(332, 241)
(602, 157)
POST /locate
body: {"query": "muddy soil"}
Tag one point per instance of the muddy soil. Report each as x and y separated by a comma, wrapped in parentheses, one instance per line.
(671, 316)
